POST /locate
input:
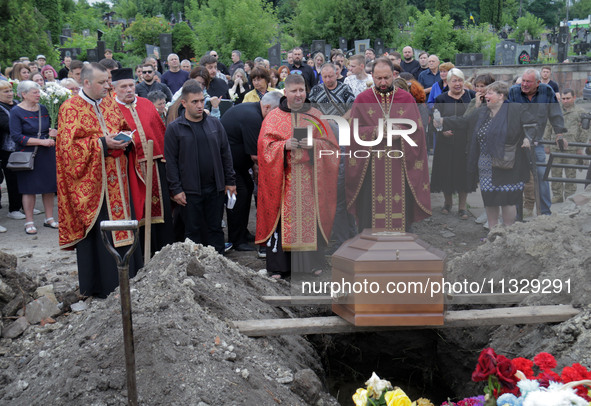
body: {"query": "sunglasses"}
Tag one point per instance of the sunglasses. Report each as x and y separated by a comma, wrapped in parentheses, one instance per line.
(147, 72)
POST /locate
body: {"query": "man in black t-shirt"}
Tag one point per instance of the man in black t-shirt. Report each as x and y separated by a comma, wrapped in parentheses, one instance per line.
(300, 68)
(409, 63)
(545, 74)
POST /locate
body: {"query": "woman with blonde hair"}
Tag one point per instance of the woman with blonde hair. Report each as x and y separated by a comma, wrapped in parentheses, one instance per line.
(20, 72)
(449, 173)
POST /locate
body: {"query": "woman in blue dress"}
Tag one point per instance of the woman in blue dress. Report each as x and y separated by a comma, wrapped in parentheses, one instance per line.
(494, 127)
(29, 128)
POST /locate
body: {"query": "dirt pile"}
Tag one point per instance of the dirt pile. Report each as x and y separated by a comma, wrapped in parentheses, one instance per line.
(186, 354)
(548, 260)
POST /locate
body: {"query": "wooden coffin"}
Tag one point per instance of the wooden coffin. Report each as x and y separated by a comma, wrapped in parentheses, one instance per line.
(387, 278)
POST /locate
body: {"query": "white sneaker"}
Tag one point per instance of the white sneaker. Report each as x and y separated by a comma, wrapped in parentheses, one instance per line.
(481, 219)
(3, 229)
(485, 225)
(16, 215)
(35, 212)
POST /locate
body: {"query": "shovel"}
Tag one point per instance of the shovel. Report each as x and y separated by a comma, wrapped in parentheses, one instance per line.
(123, 269)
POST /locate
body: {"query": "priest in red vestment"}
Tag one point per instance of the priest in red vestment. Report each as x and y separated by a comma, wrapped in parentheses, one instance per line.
(387, 186)
(297, 183)
(142, 117)
(97, 180)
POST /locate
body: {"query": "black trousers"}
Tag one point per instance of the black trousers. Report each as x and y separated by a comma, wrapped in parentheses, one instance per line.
(238, 216)
(15, 199)
(97, 269)
(203, 218)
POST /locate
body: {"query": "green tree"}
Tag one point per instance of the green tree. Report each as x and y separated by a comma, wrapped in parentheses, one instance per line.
(529, 22)
(113, 37)
(491, 11)
(442, 6)
(52, 11)
(83, 17)
(248, 25)
(21, 33)
(477, 39)
(435, 34)
(581, 9)
(510, 12)
(145, 31)
(331, 19)
(550, 11)
(182, 40)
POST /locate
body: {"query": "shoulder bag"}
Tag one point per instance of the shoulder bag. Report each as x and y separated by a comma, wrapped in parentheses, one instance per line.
(508, 160)
(21, 160)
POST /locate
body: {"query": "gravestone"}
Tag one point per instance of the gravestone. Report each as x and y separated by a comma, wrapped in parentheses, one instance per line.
(99, 35)
(63, 39)
(67, 32)
(379, 47)
(71, 52)
(535, 49)
(49, 36)
(563, 41)
(505, 53)
(523, 54)
(469, 59)
(165, 45)
(274, 55)
(150, 50)
(343, 45)
(100, 49)
(85, 33)
(92, 55)
(361, 45)
(327, 51)
(318, 45)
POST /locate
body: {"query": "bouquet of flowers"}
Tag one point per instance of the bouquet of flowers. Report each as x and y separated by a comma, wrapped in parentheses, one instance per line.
(52, 97)
(14, 83)
(380, 392)
(514, 382)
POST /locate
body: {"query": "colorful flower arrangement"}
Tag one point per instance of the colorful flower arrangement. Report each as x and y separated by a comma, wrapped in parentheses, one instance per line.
(509, 382)
(380, 392)
(52, 97)
(503, 373)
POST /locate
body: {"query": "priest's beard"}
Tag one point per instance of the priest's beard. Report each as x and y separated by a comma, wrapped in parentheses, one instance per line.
(387, 90)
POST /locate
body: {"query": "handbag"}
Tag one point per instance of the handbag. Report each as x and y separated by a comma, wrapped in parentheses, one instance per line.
(24, 160)
(508, 160)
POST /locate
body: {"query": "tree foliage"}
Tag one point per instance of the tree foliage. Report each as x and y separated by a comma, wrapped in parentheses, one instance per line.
(581, 9)
(550, 11)
(145, 31)
(52, 11)
(477, 39)
(531, 23)
(352, 19)
(224, 25)
(491, 11)
(21, 33)
(83, 17)
(510, 12)
(435, 34)
(182, 40)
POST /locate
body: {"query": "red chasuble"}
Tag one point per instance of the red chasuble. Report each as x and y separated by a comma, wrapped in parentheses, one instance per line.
(389, 176)
(86, 177)
(299, 186)
(143, 117)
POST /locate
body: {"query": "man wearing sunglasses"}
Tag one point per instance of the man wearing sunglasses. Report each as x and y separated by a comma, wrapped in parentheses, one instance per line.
(150, 84)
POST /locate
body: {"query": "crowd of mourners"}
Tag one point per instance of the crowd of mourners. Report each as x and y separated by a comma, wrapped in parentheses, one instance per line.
(223, 134)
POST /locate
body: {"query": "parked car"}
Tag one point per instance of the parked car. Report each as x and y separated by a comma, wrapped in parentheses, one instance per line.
(587, 89)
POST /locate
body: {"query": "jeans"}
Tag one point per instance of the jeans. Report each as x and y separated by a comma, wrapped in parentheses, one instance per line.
(545, 198)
